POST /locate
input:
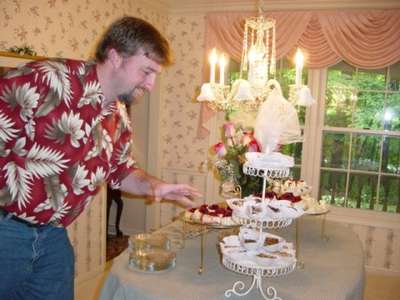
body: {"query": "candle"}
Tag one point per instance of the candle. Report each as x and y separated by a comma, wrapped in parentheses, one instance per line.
(299, 66)
(213, 61)
(222, 63)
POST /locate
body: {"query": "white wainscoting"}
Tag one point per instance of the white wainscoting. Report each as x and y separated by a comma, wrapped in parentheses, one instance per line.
(378, 232)
(88, 237)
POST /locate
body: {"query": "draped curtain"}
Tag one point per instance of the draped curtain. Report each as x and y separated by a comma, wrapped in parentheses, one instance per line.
(368, 39)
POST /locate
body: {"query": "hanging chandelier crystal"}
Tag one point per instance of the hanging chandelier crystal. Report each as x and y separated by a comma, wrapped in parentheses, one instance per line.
(257, 67)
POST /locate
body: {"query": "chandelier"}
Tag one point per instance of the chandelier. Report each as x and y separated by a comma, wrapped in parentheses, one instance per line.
(257, 67)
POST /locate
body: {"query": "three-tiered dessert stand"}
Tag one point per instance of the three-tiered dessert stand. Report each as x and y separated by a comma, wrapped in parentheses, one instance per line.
(249, 268)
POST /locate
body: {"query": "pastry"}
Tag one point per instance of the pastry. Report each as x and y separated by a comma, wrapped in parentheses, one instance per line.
(213, 214)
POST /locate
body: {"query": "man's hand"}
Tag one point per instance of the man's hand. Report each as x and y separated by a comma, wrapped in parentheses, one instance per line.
(141, 183)
(181, 193)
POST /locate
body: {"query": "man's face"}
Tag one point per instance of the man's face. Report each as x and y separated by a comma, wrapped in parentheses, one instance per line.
(136, 75)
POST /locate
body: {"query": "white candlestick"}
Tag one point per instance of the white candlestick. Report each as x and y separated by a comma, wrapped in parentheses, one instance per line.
(213, 61)
(222, 69)
(299, 66)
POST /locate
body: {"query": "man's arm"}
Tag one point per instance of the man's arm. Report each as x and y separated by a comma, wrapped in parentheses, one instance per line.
(138, 182)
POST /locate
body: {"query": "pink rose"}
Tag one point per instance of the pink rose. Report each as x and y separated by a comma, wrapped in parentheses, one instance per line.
(229, 129)
(247, 138)
(220, 149)
(253, 146)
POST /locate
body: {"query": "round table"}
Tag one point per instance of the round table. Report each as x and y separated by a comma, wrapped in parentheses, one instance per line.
(333, 269)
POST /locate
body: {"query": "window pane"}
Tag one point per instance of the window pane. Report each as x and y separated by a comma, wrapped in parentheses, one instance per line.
(389, 194)
(365, 152)
(338, 107)
(301, 111)
(285, 75)
(293, 150)
(392, 113)
(295, 173)
(332, 187)
(391, 155)
(369, 110)
(340, 92)
(335, 150)
(362, 191)
(371, 79)
(343, 73)
(394, 73)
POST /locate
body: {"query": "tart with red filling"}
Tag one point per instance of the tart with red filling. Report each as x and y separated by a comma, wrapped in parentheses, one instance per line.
(213, 214)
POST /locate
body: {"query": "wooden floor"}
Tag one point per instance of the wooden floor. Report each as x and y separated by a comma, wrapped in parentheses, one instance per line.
(378, 287)
(382, 287)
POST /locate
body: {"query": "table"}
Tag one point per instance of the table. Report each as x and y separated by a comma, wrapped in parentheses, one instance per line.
(333, 269)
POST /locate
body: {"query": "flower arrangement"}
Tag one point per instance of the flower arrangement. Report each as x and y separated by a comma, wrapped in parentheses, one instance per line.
(230, 157)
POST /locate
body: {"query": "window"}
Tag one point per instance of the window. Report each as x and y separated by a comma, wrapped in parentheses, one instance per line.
(360, 152)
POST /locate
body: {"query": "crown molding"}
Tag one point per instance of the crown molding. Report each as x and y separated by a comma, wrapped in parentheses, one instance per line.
(204, 6)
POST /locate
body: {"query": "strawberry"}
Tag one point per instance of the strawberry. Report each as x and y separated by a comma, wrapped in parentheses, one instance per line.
(214, 206)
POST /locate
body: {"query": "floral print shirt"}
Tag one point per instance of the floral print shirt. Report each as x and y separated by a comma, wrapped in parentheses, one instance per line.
(57, 143)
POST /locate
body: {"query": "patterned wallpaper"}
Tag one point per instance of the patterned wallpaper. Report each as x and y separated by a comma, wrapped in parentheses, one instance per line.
(64, 28)
(179, 87)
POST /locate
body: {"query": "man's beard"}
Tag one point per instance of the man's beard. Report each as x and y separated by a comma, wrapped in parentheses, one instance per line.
(129, 98)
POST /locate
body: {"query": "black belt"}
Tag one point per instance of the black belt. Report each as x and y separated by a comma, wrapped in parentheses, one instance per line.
(16, 219)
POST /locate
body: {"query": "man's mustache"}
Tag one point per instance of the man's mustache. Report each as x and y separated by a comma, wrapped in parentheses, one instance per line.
(131, 97)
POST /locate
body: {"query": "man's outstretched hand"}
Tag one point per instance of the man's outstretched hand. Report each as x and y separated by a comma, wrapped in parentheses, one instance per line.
(181, 193)
(141, 183)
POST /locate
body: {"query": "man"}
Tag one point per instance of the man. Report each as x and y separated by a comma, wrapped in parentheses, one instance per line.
(62, 134)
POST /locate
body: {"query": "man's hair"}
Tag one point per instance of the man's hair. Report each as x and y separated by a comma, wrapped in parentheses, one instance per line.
(128, 35)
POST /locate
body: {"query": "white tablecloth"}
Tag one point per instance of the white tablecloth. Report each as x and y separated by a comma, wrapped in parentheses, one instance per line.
(334, 269)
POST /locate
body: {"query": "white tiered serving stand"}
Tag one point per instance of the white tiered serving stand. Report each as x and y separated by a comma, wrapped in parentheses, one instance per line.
(258, 272)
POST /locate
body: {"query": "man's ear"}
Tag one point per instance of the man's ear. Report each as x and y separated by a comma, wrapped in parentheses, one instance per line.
(115, 58)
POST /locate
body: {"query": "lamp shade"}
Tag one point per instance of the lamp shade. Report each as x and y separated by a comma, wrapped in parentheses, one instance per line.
(241, 91)
(304, 97)
(206, 93)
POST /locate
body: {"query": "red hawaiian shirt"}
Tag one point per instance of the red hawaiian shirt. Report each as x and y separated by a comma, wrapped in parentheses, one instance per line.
(57, 144)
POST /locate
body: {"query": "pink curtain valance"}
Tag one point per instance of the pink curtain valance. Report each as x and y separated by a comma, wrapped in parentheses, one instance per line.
(368, 39)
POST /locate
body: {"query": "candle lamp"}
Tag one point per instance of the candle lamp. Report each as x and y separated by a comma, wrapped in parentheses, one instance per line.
(213, 60)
